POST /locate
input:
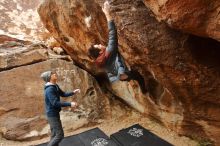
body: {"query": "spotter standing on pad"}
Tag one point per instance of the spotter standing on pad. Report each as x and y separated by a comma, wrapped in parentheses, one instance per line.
(53, 105)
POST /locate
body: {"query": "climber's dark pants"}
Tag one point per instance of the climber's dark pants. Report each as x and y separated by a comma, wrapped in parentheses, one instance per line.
(135, 75)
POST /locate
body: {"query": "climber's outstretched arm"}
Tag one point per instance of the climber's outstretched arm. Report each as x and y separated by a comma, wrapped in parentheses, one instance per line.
(112, 46)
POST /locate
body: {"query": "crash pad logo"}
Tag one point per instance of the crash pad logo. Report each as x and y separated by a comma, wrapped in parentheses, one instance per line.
(136, 132)
(99, 142)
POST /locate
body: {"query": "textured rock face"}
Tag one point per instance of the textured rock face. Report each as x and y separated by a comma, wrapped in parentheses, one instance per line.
(197, 17)
(81, 23)
(22, 99)
(14, 54)
(182, 75)
(19, 18)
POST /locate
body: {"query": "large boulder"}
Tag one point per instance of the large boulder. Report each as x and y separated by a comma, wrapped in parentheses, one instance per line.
(76, 28)
(22, 99)
(181, 74)
(197, 17)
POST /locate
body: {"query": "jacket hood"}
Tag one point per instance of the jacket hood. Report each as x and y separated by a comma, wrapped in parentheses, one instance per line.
(48, 84)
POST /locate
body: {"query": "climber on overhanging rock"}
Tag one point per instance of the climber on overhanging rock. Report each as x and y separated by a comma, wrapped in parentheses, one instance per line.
(110, 59)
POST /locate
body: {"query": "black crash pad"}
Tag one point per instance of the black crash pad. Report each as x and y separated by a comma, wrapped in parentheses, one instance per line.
(93, 137)
(96, 137)
(136, 135)
(68, 141)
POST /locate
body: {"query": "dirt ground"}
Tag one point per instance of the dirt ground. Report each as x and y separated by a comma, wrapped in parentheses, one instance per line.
(122, 117)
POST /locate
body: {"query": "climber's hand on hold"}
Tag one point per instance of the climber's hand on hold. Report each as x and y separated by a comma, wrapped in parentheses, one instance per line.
(76, 90)
(74, 104)
(106, 10)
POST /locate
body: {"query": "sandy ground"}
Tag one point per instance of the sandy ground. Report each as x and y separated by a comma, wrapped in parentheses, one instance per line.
(122, 117)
